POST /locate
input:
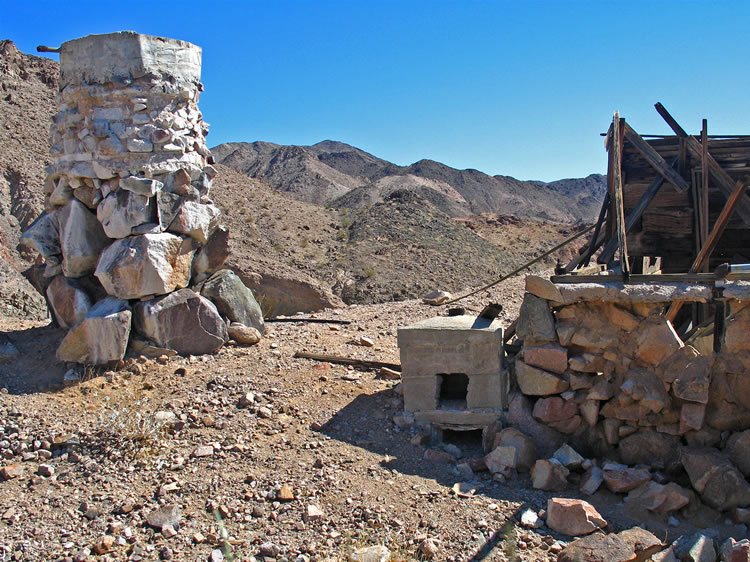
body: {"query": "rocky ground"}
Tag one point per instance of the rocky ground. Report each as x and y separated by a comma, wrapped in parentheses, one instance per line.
(253, 453)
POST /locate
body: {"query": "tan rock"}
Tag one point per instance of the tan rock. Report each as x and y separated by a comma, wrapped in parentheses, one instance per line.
(149, 264)
(598, 547)
(554, 409)
(242, 334)
(549, 475)
(580, 381)
(502, 460)
(526, 452)
(82, 239)
(587, 363)
(737, 329)
(621, 317)
(573, 517)
(589, 412)
(542, 288)
(603, 388)
(568, 457)
(647, 388)
(659, 498)
(549, 357)
(536, 382)
(101, 337)
(656, 340)
(568, 426)
(651, 448)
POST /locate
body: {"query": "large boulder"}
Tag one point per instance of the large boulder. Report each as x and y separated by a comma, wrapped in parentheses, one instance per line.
(738, 450)
(549, 475)
(233, 299)
(82, 239)
(720, 484)
(520, 416)
(123, 210)
(149, 264)
(689, 373)
(101, 337)
(196, 220)
(524, 445)
(68, 301)
(183, 321)
(550, 357)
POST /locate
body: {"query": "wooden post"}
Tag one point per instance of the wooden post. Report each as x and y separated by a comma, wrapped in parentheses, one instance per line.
(739, 191)
(703, 204)
(618, 132)
(610, 184)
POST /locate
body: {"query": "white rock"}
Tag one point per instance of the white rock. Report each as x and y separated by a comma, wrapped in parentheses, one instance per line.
(82, 239)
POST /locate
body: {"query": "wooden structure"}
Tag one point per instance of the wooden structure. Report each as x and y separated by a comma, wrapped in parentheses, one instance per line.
(675, 204)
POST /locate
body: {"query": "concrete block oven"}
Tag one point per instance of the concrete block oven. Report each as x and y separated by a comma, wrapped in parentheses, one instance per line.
(452, 371)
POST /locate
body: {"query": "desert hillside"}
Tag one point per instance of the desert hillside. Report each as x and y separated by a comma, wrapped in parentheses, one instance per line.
(337, 174)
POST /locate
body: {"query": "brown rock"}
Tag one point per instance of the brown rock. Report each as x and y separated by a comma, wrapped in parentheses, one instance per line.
(554, 409)
(598, 547)
(621, 317)
(520, 417)
(647, 388)
(285, 493)
(212, 256)
(603, 389)
(580, 381)
(729, 397)
(568, 426)
(549, 475)
(589, 412)
(11, 471)
(573, 517)
(643, 543)
(720, 484)
(657, 450)
(436, 455)
(535, 320)
(659, 498)
(536, 382)
(183, 321)
(620, 478)
(549, 357)
(68, 301)
(690, 374)
(587, 363)
(656, 340)
(692, 416)
(738, 450)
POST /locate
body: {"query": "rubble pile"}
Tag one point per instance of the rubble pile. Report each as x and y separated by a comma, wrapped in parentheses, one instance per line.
(130, 233)
(613, 379)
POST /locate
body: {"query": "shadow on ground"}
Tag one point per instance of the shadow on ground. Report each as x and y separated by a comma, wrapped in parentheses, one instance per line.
(35, 368)
(367, 422)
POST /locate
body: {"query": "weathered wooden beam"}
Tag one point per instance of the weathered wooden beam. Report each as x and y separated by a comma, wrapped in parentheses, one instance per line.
(618, 132)
(713, 238)
(703, 206)
(720, 177)
(635, 213)
(594, 237)
(346, 360)
(655, 159)
(660, 278)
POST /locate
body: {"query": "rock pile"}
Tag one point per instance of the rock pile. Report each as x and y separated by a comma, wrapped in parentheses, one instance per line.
(613, 379)
(129, 223)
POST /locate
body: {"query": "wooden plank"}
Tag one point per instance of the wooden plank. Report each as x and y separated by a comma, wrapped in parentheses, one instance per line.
(618, 132)
(713, 238)
(672, 220)
(346, 360)
(632, 194)
(635, 214)
(723, 181)
(653, 158)
(663, 278)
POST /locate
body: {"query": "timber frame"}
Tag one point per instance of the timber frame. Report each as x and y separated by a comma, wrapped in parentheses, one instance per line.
(674, 204)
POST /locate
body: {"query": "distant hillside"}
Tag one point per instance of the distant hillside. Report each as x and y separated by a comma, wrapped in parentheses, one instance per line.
(343, 176)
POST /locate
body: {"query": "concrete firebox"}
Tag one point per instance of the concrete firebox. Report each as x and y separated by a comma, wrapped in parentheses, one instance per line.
(453, 371)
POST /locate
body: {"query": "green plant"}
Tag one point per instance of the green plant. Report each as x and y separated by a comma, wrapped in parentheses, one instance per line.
(368, 272)
(342, 235)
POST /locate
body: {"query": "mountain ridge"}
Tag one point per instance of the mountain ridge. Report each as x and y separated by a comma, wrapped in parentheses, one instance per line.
(341, 175)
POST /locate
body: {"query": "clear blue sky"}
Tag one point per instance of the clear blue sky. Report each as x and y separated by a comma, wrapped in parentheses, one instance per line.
(516, 88)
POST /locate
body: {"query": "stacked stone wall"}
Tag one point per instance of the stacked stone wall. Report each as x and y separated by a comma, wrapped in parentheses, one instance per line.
(130, 232)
